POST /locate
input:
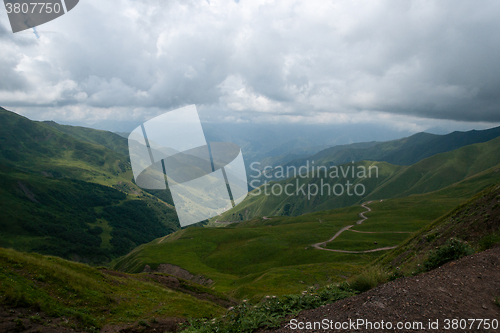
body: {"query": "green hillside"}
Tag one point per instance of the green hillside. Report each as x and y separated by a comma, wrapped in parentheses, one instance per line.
(36, 147)
(112, 141)
(428, 175)
(476, 222)
(266, 256)
(89, 298)
(63, 196)
(405, 151)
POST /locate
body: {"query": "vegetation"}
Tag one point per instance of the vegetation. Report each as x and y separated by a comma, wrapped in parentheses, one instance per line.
(431, 174)
(368, 279)
(405, 151)
(469, 227)
(274, 255)
(67, 191)
(64, 194)
(246, 318)
(88, 297)
(453, 249)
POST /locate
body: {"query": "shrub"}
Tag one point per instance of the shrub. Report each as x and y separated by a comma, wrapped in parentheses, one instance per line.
(245, 318)
(368, 279)
(452, 250)
(395, 275)
(488, 241)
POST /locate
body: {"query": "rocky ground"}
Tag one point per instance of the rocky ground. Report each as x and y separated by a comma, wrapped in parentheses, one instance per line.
(465, 289)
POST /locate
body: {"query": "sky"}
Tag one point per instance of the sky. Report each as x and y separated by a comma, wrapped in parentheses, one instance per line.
(409, 65)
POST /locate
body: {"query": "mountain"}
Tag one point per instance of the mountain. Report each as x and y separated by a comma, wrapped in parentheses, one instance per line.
(68, 191)
(113, 141)
(275, 256)
(40, 292)
(405, 151)
(38, 147)
(49, 294)
(392, 181)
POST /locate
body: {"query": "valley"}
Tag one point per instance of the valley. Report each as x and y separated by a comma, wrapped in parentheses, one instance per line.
(67, 194)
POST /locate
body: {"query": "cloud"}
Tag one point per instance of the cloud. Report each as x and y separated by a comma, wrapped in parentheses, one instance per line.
(260, 60)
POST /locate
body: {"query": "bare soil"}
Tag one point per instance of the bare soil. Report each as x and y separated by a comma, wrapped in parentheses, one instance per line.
(464, 289)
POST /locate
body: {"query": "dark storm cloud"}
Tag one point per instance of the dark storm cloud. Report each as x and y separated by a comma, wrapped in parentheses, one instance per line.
(258, 59)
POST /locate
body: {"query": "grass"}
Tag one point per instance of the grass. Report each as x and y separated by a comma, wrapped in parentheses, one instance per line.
(60, 185)
(258, 256)
(88, 296)
(269, 313)
(428, 175)
(368, 279)
(353, 241)
(106, 232)
(444, 239)
(76, 219)
(252, 258)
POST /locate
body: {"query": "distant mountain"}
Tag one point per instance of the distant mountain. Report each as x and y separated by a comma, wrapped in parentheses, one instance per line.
(405, 151)
(393, 181)
(68, 191)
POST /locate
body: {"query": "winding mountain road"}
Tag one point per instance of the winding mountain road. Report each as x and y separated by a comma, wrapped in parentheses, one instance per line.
(363, 218)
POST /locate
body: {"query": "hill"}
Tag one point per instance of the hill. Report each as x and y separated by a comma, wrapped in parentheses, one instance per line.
(405, 151)
(275, 255)
(36, 147)
(113, 141)
(466, 288)
(444, 298)
(51, 294)
(63, 196)
(385, 181)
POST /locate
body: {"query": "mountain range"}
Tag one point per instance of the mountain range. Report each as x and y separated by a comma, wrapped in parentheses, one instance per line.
(68, 191)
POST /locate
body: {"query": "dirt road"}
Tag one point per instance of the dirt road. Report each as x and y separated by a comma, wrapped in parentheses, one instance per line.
(363, 218)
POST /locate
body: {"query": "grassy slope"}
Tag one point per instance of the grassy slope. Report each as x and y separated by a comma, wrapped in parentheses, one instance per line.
(274, 256)
(476, 221)
(428, 175)
(36, 147)
(405, 151)
(53, 199)
(89, 297)
(106, 139)
(76, 219)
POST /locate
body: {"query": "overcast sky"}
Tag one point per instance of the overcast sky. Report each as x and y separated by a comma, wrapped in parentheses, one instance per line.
(410, 64)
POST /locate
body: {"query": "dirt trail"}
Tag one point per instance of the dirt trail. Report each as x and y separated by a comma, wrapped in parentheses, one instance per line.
(363, 218)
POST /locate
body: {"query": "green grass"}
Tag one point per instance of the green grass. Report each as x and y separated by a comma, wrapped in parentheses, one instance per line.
(87, 296)
(469, 222)
(76, 219)
(428, 175)
(260, 256)
(256, 257)
(353, 241)
(61, 185)
(270, 312)
(106, 232)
